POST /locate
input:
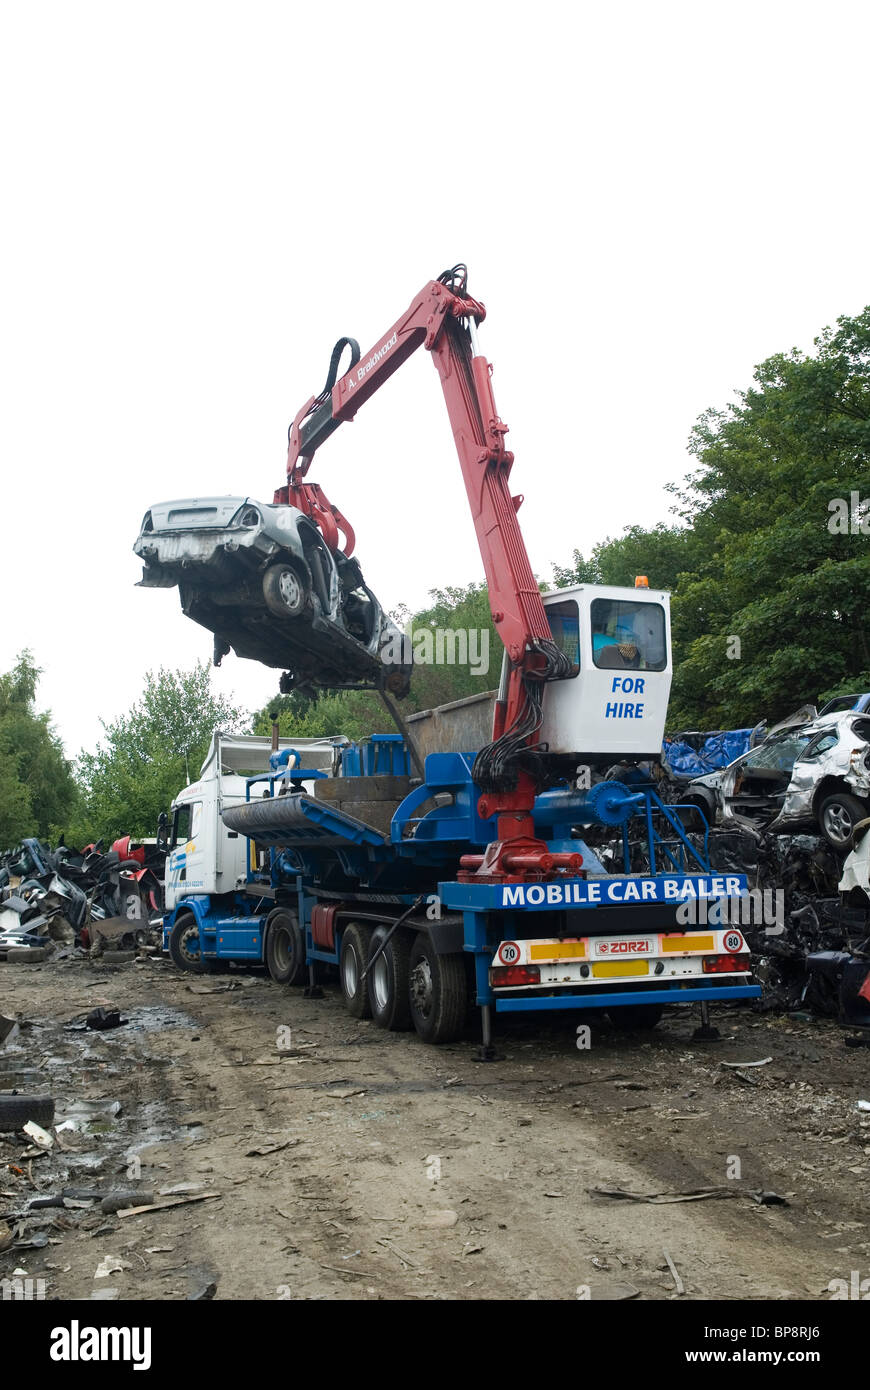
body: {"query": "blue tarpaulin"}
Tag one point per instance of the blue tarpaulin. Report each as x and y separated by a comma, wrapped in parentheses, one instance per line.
(717, 751)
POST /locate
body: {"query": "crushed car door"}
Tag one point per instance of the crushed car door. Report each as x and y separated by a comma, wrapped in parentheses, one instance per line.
(762, 779)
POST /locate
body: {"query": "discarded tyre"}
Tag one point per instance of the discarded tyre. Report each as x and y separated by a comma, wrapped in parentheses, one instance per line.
(15, 1111)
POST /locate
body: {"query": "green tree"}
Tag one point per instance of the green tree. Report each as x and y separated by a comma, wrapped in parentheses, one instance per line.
(770, 568)
(149, 754)
(662, 554)
(776, 570)
(37, 789)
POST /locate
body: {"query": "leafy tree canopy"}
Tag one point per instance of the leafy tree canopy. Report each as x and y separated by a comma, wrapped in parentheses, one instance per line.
(148, 755)
(36, 783)
(774, 546)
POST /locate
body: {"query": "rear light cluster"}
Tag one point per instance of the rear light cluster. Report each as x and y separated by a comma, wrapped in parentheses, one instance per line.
(502, 976)
(725, 965)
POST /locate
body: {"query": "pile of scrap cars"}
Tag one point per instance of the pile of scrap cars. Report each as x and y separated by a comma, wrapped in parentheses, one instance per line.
(62, 901)
(790, 807)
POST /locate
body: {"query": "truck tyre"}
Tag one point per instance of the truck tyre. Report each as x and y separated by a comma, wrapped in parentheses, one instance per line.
(15, 1111)
(838, 816)
(352, 961)
(387, 980)
(636, 1016)
(438, 992)
(284, 590)
(285, 948)
(184, 946)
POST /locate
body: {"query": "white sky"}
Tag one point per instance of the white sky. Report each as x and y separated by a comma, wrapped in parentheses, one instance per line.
(198, 199)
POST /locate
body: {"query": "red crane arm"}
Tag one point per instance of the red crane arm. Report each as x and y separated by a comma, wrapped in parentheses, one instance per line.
(443, 319)
(437, 319)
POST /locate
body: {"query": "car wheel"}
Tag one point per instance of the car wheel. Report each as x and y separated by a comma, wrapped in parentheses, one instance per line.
(285, 949)
(838, 816)
(284, 590)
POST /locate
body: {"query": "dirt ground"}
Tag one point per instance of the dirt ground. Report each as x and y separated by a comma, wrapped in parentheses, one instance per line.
(416, 1172)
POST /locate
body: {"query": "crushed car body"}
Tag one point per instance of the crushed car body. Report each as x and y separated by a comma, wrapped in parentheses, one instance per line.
(261, 579)
(809, 774)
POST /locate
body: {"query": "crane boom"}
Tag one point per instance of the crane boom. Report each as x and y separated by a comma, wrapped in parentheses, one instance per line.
(443, 319)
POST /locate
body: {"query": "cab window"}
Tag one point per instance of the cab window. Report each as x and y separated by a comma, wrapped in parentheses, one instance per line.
(628, 635)
(564, 620)
(181, 825)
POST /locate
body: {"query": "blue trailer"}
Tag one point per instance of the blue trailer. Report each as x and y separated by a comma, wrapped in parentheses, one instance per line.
(396, 909)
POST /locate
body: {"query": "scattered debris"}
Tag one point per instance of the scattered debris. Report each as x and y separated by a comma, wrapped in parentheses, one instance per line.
(111, 1264)
(439, 1220)
(696, 1194)
(40, 1136)
(120, 1201)
(8, 1029)
(172, 1202)
(102, 1019)
(678, 1283)
(266, 1148)
(203, 1292)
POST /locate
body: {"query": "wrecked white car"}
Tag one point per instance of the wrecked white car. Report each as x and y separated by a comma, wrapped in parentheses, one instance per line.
(816, 774)
(262, 580)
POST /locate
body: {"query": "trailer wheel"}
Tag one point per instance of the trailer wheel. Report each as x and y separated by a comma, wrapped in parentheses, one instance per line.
(284, 590)
(352, 962)
(388, 981)
(438, 990)
(636, 1016)
(184, 945)
(285, 949)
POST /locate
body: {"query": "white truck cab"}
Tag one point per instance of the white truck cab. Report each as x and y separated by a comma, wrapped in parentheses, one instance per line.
(616, 703)
(204, 856)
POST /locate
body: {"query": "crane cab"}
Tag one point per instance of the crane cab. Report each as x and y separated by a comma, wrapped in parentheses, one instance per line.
(616, 703)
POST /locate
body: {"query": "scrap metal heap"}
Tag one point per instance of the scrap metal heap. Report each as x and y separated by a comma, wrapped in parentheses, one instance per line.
(806, 920)
(66, 898)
